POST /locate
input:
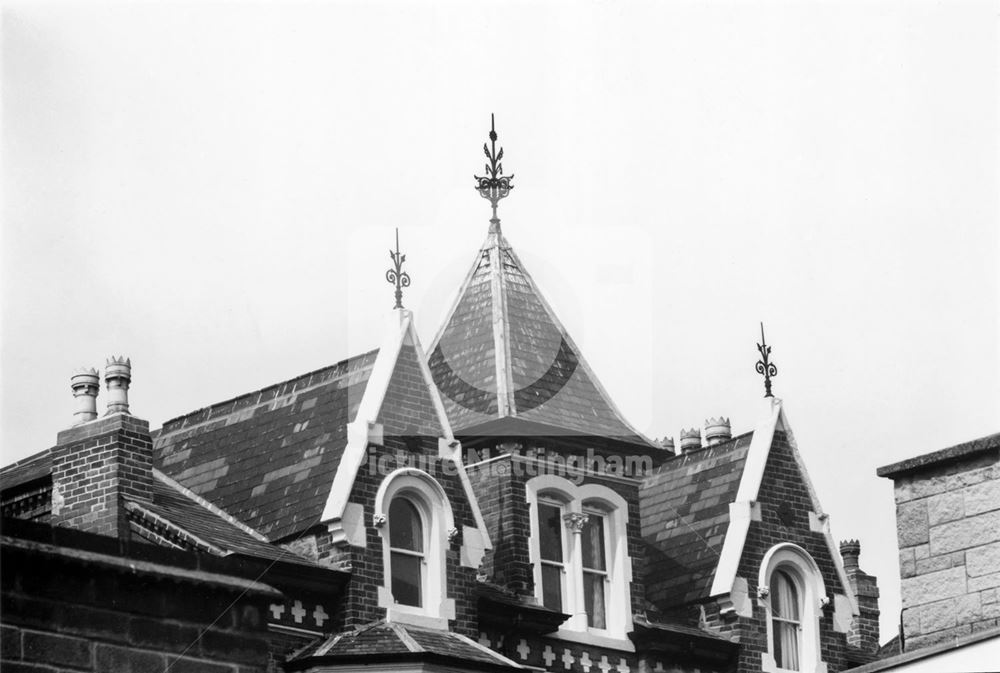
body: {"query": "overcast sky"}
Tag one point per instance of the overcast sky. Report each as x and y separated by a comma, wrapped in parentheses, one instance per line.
(211, 189)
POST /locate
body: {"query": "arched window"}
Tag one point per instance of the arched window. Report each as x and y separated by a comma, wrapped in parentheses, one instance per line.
(406, 552)
(579, 552)
(785, 620)
(792, 593)
(414, 519)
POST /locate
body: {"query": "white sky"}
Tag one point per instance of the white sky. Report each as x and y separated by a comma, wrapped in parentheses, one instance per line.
(211, 189)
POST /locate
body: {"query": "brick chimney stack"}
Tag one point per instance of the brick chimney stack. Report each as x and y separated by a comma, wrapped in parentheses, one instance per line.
(118, 376)
(864, 628)
(85, 384)
(98, 463)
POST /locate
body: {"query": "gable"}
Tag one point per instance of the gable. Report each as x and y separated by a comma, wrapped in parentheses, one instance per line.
(407, 408)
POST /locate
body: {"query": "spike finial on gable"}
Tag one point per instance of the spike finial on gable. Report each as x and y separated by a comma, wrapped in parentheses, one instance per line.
(396, 274)
(494, 185)
(765, 367)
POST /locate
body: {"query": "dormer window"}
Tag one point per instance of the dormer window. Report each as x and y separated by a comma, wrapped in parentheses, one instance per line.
(406, 552)
(413, 517)
(791, 592)
(579, 553)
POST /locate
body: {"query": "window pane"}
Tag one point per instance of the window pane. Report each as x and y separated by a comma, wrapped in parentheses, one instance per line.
(593, 598)
(592, 539)
(406, 579)
(405, 527)
(550, 532)
(552, 587)
(786, 596)
(786, 645)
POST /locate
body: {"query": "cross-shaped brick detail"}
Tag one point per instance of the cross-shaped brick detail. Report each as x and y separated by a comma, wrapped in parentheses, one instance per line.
(568, 659)
(585, 661)
(522, 649)
(549, 656)
(298, 612)
(623, 667)
(319, 614)
(277, 609)
(604, 665)
(484, 639)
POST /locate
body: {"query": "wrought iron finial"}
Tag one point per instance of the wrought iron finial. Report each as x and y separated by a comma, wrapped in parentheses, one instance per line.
(764, 366)
(396, 275)
(494, 185)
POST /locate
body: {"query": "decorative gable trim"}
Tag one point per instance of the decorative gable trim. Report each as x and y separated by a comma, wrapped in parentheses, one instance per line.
(364, 430)
(740, 511)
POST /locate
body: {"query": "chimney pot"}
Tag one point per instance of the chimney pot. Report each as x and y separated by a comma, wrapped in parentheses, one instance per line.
(717, 430)
(118, 376)
(85, 384)
(667, 443)
(690, 440)
(850, 550)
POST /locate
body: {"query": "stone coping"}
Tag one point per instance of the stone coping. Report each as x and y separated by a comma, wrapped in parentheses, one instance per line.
(936, 458)
(924, 652)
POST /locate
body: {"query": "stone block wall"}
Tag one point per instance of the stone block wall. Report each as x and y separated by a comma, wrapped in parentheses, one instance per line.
(948, 529)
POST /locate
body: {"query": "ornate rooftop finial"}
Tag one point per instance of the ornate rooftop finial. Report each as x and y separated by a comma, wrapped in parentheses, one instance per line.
(764, 365)
(396, 275)
(494, 185)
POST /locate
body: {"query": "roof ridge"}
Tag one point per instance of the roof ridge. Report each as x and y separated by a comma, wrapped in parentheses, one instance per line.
(258, 393)
(404, 637)
(136, 506)
(229, 518)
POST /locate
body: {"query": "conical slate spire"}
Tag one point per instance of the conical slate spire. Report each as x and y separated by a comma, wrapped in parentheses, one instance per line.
(502, 354)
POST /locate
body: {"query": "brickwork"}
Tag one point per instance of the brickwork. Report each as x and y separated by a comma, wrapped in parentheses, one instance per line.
(948, 530)
(411, 431)
(61, 615)
(864, 633)
(785, 505)
(93, 465)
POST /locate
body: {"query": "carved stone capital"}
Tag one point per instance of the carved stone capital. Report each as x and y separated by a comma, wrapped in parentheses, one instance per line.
(575, 521)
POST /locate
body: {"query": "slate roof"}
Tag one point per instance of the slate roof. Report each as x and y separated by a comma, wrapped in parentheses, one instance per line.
(685, 516)
(27, 469)
(207, 524)
(393, 640)
(503, 353)
(268, 458)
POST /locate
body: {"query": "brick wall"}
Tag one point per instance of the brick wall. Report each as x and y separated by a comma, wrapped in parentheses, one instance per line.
(864, 633)
(70, 609)
(948, 530)
(92, 465)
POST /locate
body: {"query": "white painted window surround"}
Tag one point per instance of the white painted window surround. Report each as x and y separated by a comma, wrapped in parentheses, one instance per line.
(798, 566)
(427, 495)
(576, 501)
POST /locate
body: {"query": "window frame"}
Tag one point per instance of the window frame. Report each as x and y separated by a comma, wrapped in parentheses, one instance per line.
(800, 568)
(431, 503)
(578, 500)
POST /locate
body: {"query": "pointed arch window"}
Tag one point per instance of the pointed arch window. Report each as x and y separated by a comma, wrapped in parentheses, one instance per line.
(406, 552)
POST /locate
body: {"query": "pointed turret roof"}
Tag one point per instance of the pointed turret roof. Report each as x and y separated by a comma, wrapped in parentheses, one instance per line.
(506, 365)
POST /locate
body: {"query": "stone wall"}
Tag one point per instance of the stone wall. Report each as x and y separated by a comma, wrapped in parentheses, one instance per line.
(948, 529)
